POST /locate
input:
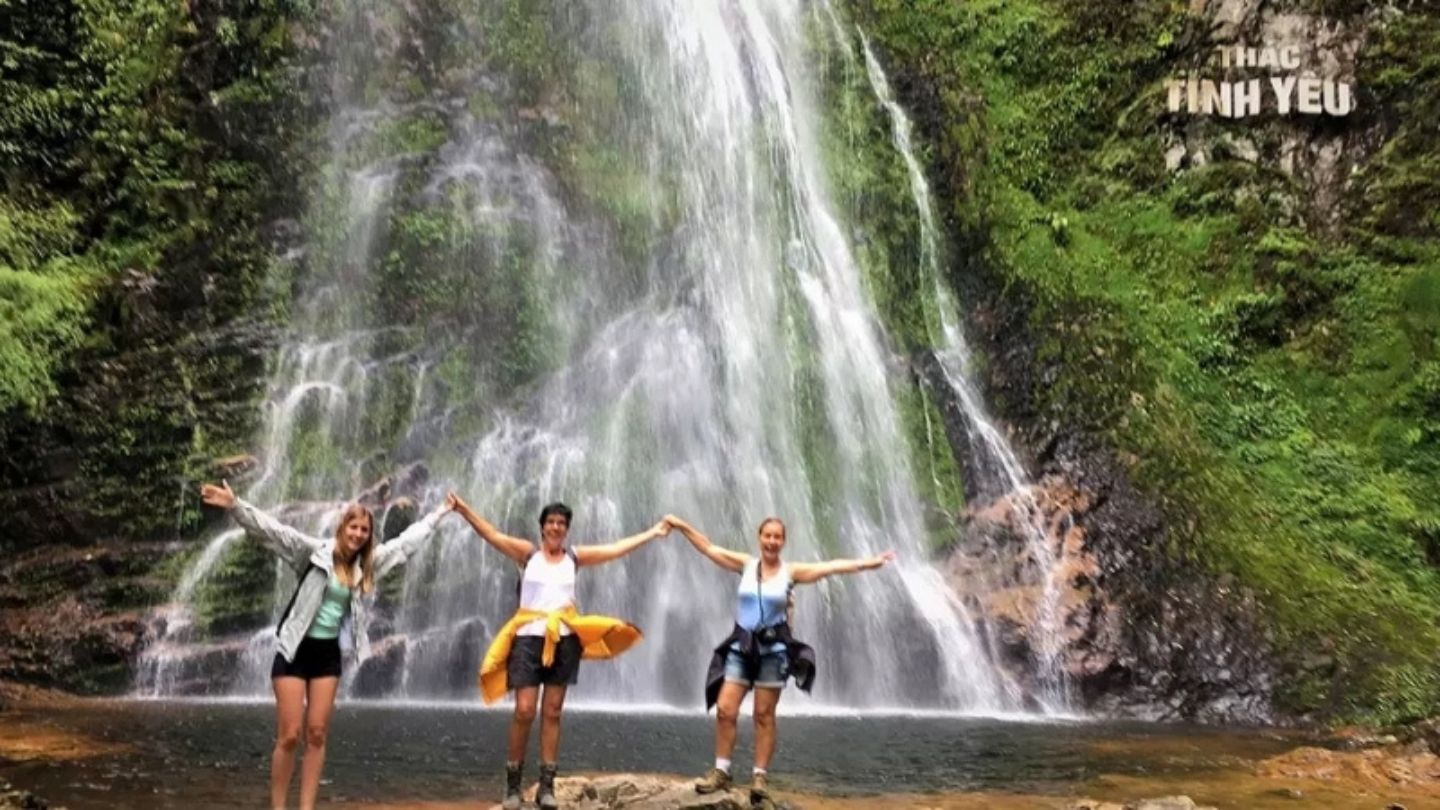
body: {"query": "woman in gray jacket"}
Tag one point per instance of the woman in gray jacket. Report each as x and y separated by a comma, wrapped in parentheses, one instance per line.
(334, 576)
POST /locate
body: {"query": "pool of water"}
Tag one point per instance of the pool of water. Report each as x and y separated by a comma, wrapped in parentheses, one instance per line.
(206, 754)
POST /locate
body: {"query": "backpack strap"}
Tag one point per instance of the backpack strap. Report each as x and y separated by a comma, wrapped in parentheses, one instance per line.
(291, 604)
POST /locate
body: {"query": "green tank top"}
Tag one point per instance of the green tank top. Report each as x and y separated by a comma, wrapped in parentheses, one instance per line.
(332, 610)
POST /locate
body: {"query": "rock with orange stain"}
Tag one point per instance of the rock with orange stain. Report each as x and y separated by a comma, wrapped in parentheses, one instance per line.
(1068, 588)
(24, 739)
(1370, 767)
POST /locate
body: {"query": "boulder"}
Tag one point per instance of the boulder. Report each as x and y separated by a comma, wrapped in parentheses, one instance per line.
(628, 791)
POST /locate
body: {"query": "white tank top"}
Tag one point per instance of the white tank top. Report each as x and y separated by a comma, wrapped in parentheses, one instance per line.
(546, 586)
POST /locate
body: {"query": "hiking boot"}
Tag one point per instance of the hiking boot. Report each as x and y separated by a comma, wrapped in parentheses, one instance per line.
(545, 794)
(715, 780)
(514, 775)
(759, 786)
(760, 793)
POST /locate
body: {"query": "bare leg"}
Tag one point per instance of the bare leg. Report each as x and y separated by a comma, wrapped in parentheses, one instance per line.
(525, 699)
(319, 705)
(727, 710)
(550, 709)
(765, 701)
(289, 714)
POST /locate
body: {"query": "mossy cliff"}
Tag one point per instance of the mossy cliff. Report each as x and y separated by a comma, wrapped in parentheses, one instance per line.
(1245, 332)
(146, 148)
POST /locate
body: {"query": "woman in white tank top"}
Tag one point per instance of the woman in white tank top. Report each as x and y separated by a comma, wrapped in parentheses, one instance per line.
(547, 586)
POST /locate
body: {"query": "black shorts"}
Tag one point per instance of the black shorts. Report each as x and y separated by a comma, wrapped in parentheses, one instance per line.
(523, 667)
(314, 658)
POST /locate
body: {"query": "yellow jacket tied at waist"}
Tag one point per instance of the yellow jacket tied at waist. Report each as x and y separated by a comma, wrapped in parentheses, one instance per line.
(600, 637)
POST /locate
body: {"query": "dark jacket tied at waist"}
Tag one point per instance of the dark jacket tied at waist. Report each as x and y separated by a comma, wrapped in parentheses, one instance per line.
(801, 655)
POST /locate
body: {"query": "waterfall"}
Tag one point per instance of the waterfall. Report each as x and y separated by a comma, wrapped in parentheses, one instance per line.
(991, 454)
(625, 286)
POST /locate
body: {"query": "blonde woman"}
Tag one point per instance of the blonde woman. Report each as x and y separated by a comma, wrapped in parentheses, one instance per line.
(760, 653)
(335, 573)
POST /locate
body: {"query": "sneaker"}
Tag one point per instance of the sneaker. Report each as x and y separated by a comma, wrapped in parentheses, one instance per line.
(514, 775)
(545, 794)
(715, 780)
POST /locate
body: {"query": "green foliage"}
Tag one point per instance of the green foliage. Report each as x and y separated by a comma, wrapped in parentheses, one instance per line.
(42, 316)
(140, 148)
(1276, 385)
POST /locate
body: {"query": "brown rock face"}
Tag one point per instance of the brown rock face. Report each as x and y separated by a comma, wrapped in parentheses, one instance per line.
(1129, 631)
(74, 617)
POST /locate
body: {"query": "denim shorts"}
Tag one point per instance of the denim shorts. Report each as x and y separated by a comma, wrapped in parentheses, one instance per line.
(771, 672)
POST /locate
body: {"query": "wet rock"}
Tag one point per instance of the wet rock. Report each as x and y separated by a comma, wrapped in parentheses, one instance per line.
(404, 482)
(201, 670)
(1355, 738)
(1425, 731)
(380, 674)
(641, 792)
(235, 469)
(12, 798)
(1167, 803)
(1163, 803)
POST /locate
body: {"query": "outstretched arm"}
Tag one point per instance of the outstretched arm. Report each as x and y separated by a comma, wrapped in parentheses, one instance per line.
(291, 545)
(723, 557)
(399, 548)
(803, 573)
(512, 547)
(595, 555)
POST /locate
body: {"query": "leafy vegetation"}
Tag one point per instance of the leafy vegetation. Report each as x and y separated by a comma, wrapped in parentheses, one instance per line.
(140, 151)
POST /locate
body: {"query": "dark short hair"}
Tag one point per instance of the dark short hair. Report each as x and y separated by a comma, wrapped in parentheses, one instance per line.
(767, 521)
(557, 508)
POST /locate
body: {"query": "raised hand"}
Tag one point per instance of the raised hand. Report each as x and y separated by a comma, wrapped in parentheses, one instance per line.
(879, 560)
(452, 502)
(663, 528)
(220, 496)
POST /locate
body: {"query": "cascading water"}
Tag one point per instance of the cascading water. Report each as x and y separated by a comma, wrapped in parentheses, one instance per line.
(991, 455)
(633, 294)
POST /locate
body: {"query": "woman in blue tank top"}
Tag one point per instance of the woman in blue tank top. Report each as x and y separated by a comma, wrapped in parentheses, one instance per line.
(759, 653)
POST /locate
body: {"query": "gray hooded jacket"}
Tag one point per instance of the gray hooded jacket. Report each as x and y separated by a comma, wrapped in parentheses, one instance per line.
(299, 551)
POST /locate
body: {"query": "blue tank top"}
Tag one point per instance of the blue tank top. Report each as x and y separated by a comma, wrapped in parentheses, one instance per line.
(762, 604)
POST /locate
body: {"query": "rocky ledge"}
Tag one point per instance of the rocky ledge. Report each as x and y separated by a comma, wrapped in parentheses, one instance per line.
(628, 791)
